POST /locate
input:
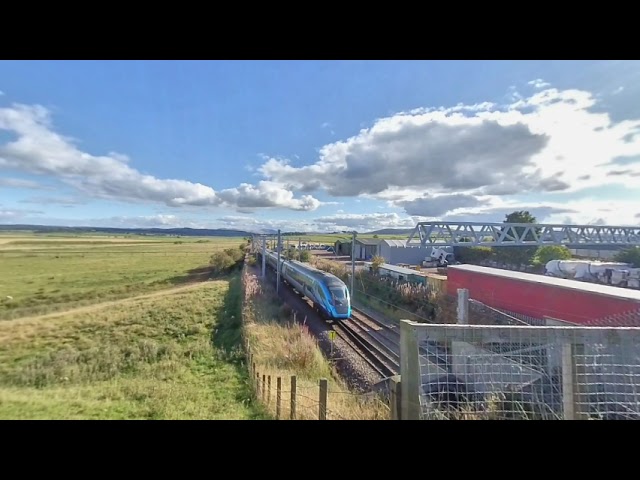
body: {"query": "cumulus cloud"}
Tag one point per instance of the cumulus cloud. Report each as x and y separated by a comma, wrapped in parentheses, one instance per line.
(588, 211)
(16, 215)
(413, 152)
(21, 183)
(432, 158)
(38, 149)
(436, 206)
(365, 222)
(65, 201)
(538, 83)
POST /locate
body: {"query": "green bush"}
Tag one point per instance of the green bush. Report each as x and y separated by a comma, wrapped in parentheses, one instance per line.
(629, 255)
(547, 253)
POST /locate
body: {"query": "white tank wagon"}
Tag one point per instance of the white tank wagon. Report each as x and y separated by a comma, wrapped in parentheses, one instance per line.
(610, 273)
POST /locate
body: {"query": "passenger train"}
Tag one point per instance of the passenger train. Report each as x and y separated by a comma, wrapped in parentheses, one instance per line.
(328, 293)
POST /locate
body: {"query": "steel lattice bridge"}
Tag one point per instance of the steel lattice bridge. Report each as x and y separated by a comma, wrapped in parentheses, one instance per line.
(473, 234)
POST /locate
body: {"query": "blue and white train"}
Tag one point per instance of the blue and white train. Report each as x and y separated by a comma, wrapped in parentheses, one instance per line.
(328, 293)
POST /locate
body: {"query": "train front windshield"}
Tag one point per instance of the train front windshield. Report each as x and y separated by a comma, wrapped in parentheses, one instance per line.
(339, 296)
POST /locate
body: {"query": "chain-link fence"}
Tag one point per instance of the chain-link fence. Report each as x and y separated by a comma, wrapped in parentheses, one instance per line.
(519, 372)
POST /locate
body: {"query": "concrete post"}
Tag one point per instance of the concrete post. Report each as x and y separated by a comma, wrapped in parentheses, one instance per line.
(409, 372)
(463, 306)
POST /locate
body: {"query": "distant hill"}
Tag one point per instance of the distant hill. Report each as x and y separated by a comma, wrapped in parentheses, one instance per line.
(185, 232)
(392, 231)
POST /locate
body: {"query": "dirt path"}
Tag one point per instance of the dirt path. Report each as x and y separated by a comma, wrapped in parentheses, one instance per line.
(98, 306)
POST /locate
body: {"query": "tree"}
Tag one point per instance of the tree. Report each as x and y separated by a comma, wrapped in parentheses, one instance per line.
(377, 262)
(546, 253)
(517, 255)
(472, 255)
(629, 255)
(305, 256)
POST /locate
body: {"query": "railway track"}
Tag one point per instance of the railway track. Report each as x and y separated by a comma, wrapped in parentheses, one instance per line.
(388, 332)
(369, 338)
(377, 355)
(374, 341)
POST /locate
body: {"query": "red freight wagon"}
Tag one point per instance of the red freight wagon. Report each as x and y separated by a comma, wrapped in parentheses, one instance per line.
(539, 296)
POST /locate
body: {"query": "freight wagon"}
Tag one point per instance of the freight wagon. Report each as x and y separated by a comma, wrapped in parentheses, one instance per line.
(541, 296)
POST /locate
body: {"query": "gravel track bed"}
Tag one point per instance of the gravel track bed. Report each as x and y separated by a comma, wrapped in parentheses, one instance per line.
(348, 363)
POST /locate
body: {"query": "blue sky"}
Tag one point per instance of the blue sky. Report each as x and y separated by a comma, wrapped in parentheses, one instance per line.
(317, 145)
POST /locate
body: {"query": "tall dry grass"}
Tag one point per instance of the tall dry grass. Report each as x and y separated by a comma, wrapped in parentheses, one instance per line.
(282, 348)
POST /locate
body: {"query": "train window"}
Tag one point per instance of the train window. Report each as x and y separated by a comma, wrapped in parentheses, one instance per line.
(338, 293)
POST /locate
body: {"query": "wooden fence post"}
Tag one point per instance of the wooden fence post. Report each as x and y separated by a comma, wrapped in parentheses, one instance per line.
(322, 407)
(257, 384)
(264, 386)
(395, 390)
(269, 389)
(278, 396)
(292, 414)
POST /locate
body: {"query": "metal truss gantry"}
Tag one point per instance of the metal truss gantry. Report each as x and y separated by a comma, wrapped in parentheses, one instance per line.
(471, 234)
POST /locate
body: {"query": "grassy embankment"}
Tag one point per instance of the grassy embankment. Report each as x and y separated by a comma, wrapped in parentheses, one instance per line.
(173, 356)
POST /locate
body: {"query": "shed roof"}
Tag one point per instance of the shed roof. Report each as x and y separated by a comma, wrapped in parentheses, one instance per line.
(397, 269)
(607, 290)
(395, 243)
(368, 241)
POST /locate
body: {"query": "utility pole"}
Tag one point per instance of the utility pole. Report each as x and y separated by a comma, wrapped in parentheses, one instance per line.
(353, 262)
(278, 266)
(299, 251)
(264, 259)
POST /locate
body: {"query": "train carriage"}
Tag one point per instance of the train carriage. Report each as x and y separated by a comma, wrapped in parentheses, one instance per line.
(328, 293)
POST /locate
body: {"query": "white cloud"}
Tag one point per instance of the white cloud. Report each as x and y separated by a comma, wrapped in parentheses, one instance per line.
(365, 222)
(38, 149)
(586, 211)
(551, 141)
(539, 83)
(16, 215)
(59, 200)
(21, 183)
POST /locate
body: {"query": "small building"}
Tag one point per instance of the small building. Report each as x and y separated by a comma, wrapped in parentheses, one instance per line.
(401, 274)
(366, 248)
(437, 282)
(540, 296)
(602, 253)
(397, 251)
(342, 247)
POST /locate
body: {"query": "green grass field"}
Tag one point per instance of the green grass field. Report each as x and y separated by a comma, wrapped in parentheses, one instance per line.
(57, 272)
(171, 357)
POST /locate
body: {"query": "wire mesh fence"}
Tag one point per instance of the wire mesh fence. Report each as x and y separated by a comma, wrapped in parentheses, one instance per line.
(520, 372)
